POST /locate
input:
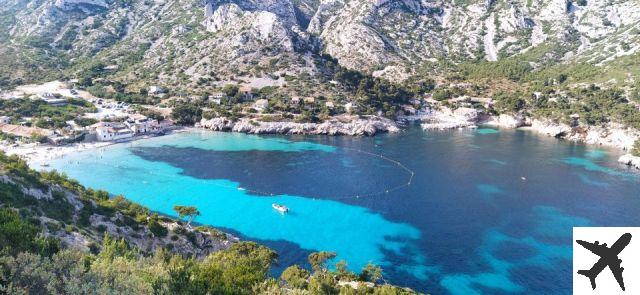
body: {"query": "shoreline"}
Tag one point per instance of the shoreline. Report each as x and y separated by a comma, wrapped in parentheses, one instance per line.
(611, 135)
(39, 154)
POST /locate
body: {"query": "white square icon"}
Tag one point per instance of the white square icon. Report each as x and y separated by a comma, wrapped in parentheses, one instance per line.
(606, 260)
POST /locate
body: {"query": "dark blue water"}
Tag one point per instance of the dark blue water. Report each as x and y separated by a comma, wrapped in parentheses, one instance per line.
(485, 213)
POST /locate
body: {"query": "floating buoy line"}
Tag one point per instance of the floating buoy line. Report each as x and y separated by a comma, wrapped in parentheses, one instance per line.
(410, 174)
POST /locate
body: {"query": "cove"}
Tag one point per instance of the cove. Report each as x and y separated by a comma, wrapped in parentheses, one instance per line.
(488, 212)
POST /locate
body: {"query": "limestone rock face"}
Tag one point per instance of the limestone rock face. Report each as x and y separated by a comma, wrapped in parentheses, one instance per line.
(630, 160)
(613, 135)
(357, 127)
(551, 128)
(70, 4)
(508, 121)
(391, 38)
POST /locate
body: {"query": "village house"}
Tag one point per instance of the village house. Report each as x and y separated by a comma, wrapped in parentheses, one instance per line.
(217, 95)
(52, 99)
(246, 92)
(5, 119)
(46, 95)
(261, 105)
(140, 124)
(113, 132)
(295, 100)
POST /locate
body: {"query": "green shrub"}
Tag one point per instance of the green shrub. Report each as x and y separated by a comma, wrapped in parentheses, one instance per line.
(636, 148)
(156, 228)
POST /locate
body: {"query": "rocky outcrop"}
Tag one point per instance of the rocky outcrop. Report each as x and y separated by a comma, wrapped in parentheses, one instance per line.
(445, 118)
(614, 135)
(390, 37)
(550, 128)
(83, 225)
(507, 121)
(183, 239)
(630, 160)
(355, 127)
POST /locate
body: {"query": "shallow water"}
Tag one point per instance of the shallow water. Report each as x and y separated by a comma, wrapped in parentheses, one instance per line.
(461, 212)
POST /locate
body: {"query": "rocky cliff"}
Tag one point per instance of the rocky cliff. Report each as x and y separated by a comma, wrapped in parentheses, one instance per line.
(175, 40)
(355, 127)
(73, 215)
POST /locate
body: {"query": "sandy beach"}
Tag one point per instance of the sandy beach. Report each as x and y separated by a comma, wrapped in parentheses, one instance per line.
(38, 155)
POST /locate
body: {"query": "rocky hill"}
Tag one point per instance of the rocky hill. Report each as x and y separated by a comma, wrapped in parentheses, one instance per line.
(178, 41)
(80, 218)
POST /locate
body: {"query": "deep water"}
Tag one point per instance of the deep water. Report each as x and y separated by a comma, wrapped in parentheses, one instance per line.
(486, 212)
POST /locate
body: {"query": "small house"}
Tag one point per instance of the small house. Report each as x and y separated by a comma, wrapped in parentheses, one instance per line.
(5, 119)
(329, 104)
(217, 95)
(309, 100)
(246, 92)
(46, 95)
(295, 100)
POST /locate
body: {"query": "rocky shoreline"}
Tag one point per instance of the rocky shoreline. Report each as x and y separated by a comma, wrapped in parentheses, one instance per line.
(630, 160)
(612, 135)
(354, 126)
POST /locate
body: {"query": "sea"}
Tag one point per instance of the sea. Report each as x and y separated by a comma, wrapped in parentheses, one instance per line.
(485, 211)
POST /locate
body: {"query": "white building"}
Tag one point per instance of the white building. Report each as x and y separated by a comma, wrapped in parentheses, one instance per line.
(116, 131)
(51, 99)
(217, 95)
(5, 119)
(140, 124)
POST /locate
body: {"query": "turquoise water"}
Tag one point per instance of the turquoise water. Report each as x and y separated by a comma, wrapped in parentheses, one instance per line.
(361, 235)
(461, 212)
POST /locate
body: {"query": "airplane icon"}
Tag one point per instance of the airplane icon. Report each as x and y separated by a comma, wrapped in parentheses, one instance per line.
(608, 257)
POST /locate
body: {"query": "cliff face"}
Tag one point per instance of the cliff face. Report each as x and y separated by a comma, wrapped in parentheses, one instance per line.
(220, 39)
(353, 127)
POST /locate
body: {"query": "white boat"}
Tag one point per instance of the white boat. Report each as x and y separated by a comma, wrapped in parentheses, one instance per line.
(280, 208)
